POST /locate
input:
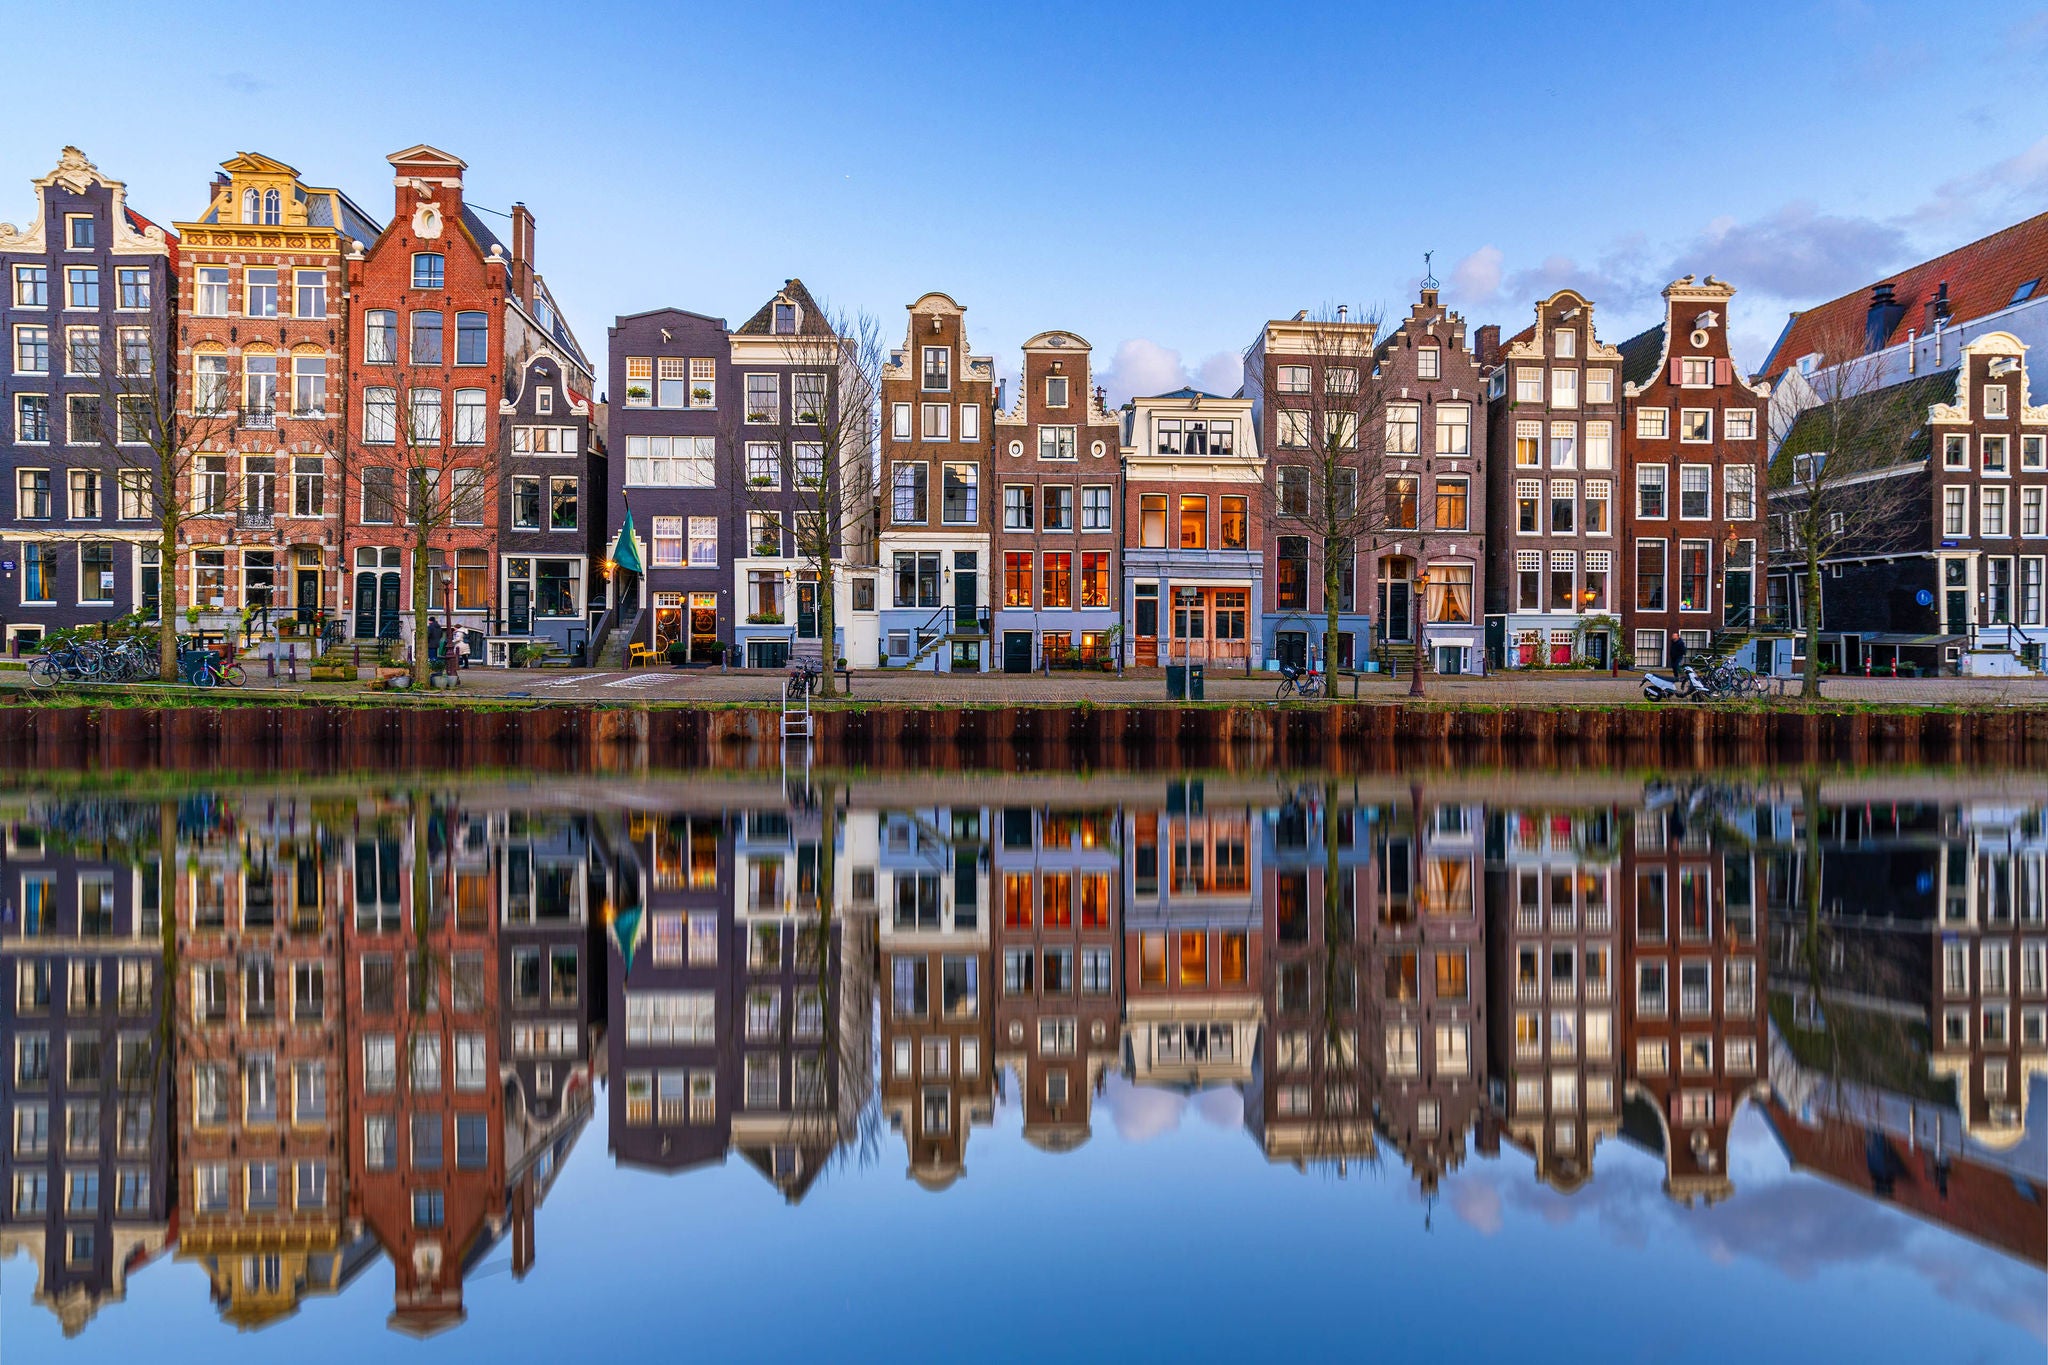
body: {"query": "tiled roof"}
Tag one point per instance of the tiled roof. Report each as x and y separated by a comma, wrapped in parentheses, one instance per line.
(1640, 354)
(811, 320)
(485, 238)
(1981, 278)
(1186, 393)
(1875, 423)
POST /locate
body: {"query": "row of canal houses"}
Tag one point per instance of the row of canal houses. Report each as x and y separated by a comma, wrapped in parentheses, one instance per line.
(1545, 497)
(329, 1029)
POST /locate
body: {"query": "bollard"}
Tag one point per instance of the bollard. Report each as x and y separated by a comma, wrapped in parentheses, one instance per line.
(270, 667)
(291, 661)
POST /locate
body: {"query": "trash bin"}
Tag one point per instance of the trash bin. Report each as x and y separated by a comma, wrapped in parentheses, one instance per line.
(1195, 681)
(1176, 682)
(192, 664)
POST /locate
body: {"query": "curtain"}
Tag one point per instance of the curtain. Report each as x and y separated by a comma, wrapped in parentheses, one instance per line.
(1449, 595)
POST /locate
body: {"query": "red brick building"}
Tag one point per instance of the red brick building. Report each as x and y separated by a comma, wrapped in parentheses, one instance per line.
(428, 302)
(1693, 446)
(1056, 541)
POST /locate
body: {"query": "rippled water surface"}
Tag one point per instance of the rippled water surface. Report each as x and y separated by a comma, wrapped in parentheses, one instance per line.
(1015, 1067)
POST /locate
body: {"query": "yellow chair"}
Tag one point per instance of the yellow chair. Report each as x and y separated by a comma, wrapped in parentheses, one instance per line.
(638, 654)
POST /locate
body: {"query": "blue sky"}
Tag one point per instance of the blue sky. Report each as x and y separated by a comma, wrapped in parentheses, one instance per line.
(1158, 179)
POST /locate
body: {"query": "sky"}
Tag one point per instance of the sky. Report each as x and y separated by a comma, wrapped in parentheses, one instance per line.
(1157, 179)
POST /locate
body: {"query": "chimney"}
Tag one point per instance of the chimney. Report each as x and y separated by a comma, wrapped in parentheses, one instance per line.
(1885, 312)
(1489, 342)
(1002, 395)
(1938, 309)
(1343, 312)
(522, 251)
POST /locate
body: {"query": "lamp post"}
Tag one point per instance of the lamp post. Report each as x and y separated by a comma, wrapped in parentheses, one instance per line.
(1421, 641)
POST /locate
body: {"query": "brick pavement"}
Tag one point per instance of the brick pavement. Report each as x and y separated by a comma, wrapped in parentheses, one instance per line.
(710, 685)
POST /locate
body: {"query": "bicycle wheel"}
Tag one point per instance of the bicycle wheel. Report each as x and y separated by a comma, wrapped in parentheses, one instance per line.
(233, 676)
(42, 671)
(1286, 686)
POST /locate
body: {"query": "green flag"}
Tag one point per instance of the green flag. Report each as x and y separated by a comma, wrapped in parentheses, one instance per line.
(626, 551)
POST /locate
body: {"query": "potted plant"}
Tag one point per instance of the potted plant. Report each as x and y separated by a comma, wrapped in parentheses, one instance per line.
(700, 395)
(761, 481)
(710, 650)
(678, 652)
(636, 393)
(759, 417)
(765, 618)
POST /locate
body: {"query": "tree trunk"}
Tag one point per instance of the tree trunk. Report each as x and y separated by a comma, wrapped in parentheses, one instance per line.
(827, 654)
(167, 601)
(1330, 581)
(1809, 686)
(422, 606)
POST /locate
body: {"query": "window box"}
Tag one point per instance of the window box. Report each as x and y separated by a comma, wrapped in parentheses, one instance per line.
(765, 618)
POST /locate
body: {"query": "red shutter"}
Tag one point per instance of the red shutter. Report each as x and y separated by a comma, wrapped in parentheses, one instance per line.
(1677, 370)
(1724, 372)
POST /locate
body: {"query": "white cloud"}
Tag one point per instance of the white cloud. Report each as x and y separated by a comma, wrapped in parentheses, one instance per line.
(1140, 367)
(1476, 279)
(1222, 373)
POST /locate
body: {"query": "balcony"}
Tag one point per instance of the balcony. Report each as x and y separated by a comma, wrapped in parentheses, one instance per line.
(259, 419)
(257, 519)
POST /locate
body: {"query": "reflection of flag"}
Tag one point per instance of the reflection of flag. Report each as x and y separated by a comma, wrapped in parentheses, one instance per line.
(626, 927)
(626, 551)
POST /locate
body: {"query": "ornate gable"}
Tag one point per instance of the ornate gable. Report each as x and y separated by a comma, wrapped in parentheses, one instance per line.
(76, 174)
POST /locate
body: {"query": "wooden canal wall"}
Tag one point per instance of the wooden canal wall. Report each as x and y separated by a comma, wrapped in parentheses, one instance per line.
(317, 738)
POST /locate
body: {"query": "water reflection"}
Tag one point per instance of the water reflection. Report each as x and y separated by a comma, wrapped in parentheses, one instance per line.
(286, 1035)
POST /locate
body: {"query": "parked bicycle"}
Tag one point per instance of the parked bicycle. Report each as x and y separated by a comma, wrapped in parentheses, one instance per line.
(804, 676)
(1299, 682)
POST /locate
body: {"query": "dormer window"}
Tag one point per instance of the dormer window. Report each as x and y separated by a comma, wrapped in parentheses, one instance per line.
(1564, 343)
(79, 231)
(2024, 292)
(938, 368)
(1429, 362)
(273, 208)
(1056, 391)
(252, 211)
(429, 270)
(543, 400)
(785, 319)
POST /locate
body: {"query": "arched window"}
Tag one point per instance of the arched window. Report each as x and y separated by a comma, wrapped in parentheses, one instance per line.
(273, 207)
(250, 203)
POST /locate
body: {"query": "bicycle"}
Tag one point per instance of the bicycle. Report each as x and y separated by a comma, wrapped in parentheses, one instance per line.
(1300, 682)
(804, 676)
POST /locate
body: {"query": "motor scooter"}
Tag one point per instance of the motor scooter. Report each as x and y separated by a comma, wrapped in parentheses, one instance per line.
(1683, 687)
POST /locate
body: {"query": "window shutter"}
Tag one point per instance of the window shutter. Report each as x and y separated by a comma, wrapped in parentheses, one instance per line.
(1724, 372)
(1677, 370)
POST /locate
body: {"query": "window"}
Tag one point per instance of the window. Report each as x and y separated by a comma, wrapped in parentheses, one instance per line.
(1650, 484)
(1095, 508)
(1955, 511)
(32, 494)
(911, 491)
(1404, 429)
(807, 396)
(426, 338)
(1693, 585)
(32, 418)
(472, 338)
(764, 398)
(526, 503)
(704, 541)
(82, 350)
(429, 270)
(960, 495)
(1057, 579)
(259, 292)
(82, 286)
(899, 421)
(1650, 577)
(1293, 429)
(1529, 507)
(1401, 500)
(1564, 388)
(1017, 507)
(1563, 506)
(1095, 585)
(1695, 492)
(1017, 579)
(31, 350)
(1651, 423)
(671, 461)
(1738, 492)
(1428, 365)
(562, 497)
(309, 293)
(31, 286)
(1056, 443)
(1991, 511)
(1059, 507)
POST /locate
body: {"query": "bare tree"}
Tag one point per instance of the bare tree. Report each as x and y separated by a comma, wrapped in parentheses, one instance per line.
(428, 470)
(167, 450)
(833, 481)
(1843, 481)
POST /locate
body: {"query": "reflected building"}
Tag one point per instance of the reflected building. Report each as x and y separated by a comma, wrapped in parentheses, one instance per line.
(1194, 944)
(927, 870)
(674, 955)
(260, 1029)
(1428, 982)
(1551, 935)
(1695, 1022)
(1313, 1091)
(1058, 874)
(84, 1161)
(427, 1173)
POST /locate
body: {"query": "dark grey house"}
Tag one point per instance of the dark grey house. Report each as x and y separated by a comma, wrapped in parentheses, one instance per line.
(670, 461)
(85, 305)
(551, 537)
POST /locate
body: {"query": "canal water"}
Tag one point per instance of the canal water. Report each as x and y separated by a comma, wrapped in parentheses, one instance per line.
(898, 1067)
